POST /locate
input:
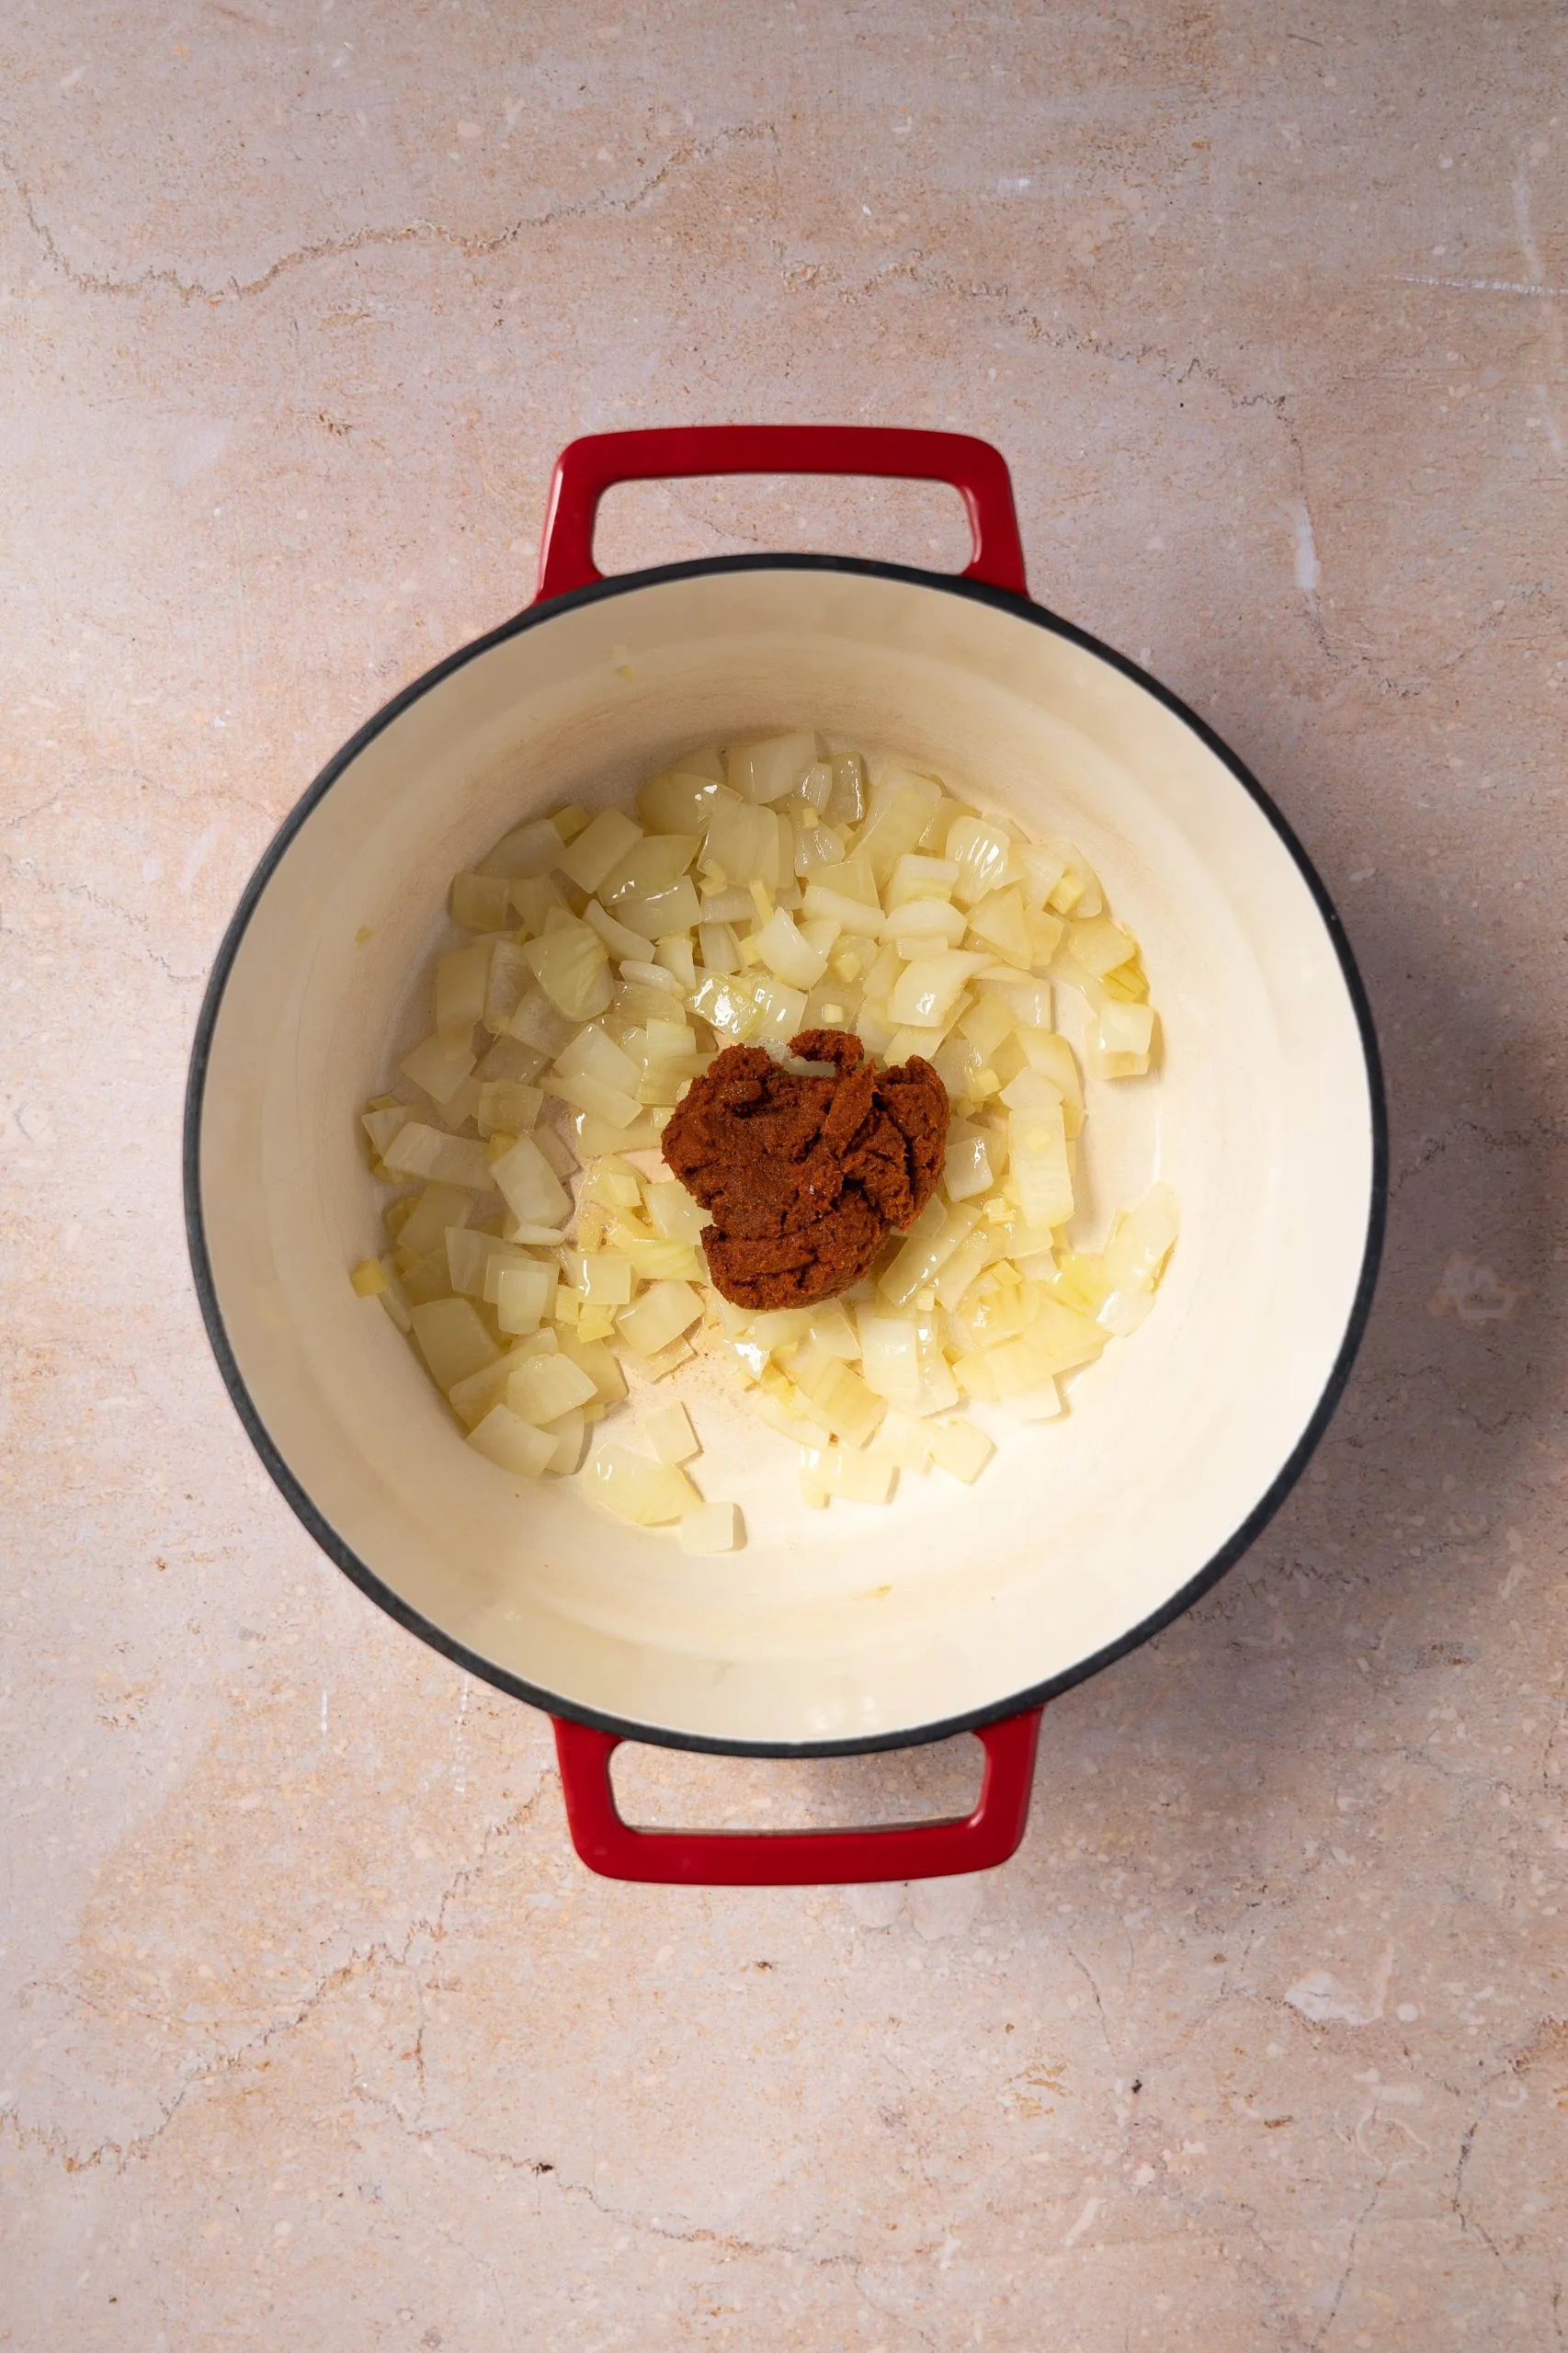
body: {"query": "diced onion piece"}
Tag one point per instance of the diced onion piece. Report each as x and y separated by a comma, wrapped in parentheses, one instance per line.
(720, 948)
(572, 966)
(508, 982)
(858, 919)
(602, 844)
(652, 866)
(593, 1053)
(480, 901)
(1038, 871)
(787, 954)
(1134, 1257)
(506, 1107)
(461, 977)
(967, 1169)
(675, 1215)
(526, 850)
(524, 1296)
(927, 990)
(1078, 892)
(914, 877)
(543, 1388)
(769, 769)
(712, 1528)
(668, 1431)
(1124, 1039)
(538, 1025)
(848, 1404)
(419, 1151)
(930, 1243)
(426, 1220)
(675, 952)
(596, 1135)
(535, 902)
(599, 1362)
(1056, 1342)
(902, 1440)
(1028, 996)
(666, 1361)
(666, 1311)
(1040, 1404)
(982, 851)
(679, 802)
(614, 1182)
(834, 1331)
(369, 1278)
(499, 1256)
(569, 820)
(957, 1447)
(605, 1278)
(1100, 946)
(1037, 1159)
(382, 1126)
(817, 850)
(452, 1340)
(925, 926)
(903, 806)
(743, 842)
(661, 912)
(528, 1186)
(439, 1065)
(847, 1473)
(633, 1488)
(998, 921)
(568, 1431)
(890, 1356)
(967, 1261)
(513, 1443)
(780, 1010)
(617, 938)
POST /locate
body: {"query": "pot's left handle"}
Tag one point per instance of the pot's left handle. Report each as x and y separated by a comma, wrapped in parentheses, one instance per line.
(976, 1842)
(586, 469)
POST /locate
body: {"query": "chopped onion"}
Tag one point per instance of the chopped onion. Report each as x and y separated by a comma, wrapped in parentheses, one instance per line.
(528, 1186)
(845, 1474)
(651, 867)
(543, 1388)
(452, 1340)
(712, 1528)
(524, 1295)
(678, 803)
(513, 1443)
(439, 1065)
(766, 770)
(526, 850)
(480, 902)
(572, 966)
(787, 954)
(666, 1310)
(669, 1432)
(982, 851)
(419, 1151)
(928, 989)
(602, 844)
(642, 1493)
(958, 1447)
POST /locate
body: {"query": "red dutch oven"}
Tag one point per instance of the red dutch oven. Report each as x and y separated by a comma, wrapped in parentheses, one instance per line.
(956, 1608)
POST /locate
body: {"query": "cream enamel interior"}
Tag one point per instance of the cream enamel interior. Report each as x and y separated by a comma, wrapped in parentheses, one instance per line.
(856, 1622)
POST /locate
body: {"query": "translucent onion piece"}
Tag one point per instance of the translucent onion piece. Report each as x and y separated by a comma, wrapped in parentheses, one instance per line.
(1037, 1159)
(666, 1311)
(959, 1449)
(480, 901)
(927, 990)
(461, 979)
(925, 926)
(999, 922)
(382, 1126)
(617, 936)
(712, 1528)
(650, 867)
(846, 1474)
(852, 915)
(633, 1488)
(720, 948)
(658, 912)
(787, 954)
(513, 1444)
(766, 770)
(572, 966)
(914, 877)
(439, 1065)
(675, 1215)
(902, 808)
(678, 804)
(528, 1186)
(526, 850)
(419, 1151)
(452, 1340)
(668, 1431)
(602, 844)
(982, 850)
(524, 1296)
(1100, 946)
(543, 1388)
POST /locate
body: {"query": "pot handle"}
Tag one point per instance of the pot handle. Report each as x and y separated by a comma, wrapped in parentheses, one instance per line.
(586, 469)
(976, 1842)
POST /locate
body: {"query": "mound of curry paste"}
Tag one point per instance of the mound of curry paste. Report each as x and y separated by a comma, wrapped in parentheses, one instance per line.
(805, 1174)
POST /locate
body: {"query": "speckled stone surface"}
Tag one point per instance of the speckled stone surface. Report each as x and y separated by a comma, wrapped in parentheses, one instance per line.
(313, 2033)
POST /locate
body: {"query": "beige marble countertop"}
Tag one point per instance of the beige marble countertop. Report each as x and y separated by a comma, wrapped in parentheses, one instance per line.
(312, 2032)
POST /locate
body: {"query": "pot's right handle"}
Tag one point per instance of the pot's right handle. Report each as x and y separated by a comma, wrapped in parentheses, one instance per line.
(586, 469)
(610, 1846)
